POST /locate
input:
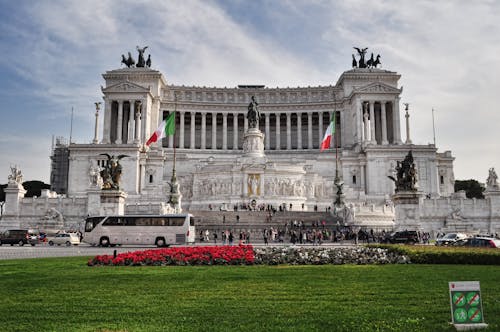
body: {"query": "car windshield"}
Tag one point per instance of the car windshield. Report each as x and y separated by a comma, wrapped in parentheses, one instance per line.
(450, 236)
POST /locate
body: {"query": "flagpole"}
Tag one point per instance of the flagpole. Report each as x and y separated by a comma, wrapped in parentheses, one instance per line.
(433, 128)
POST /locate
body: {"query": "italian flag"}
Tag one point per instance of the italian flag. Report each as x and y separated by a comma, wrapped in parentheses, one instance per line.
(166, 128)
(325, 144)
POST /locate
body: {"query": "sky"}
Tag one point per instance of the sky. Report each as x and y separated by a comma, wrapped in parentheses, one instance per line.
(55, 52)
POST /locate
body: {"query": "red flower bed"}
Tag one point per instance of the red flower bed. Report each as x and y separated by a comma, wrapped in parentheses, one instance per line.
(215, 255)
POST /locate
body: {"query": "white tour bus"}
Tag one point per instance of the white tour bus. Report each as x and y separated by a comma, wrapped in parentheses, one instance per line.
(160, 230)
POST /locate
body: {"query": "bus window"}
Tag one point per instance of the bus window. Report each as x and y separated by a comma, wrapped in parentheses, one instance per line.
(92, 222)
(191, 222)
(111, 221)
(176, 221)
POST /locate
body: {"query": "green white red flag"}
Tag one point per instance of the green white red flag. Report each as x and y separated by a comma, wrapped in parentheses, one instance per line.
(166, 128)
(325, 144)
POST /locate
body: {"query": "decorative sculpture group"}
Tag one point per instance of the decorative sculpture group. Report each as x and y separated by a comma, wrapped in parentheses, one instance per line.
(406, 174)
(492, 181)
(130, 62)
(111, 173)
(370, 63)
(253, 114)
(16, 177)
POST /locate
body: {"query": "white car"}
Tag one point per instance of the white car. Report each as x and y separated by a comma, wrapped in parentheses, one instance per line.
(64, 238)
(450, 238)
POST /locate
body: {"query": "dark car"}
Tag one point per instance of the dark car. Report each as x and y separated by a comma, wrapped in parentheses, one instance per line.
(407, 237)
(480, 242)
(16, 236)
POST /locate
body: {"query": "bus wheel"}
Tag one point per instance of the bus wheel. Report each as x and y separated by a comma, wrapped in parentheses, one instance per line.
(104, 242)
(160, 242)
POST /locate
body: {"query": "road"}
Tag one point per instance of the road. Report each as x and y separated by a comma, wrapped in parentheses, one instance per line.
(44, 250)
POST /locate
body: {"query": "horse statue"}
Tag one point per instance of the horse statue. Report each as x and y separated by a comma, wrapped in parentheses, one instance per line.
(376, 62)
(129, 62)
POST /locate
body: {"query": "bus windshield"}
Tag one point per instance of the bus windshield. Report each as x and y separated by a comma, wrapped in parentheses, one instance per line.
(91, 222)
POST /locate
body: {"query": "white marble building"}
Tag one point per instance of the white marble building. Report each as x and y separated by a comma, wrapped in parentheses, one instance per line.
(212, 166)
(218, 166)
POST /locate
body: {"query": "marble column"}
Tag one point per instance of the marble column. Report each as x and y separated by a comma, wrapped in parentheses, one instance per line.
(181, 130)
(131, 125)
(96, 128)
(373, 140)
(278, 132)
(309, 131)
(235, 131)
(299, 131)
(320, 127)
(106, 136)
(214, 131)
(224, 131)
(384, 123)
(288, 131)
(407, 116)
(203, 130)
(366, 137)
(359, 121)
(119, 123)
(137, 133)
(268, 137)
(363, 178)
(192, 127)
(396, 121)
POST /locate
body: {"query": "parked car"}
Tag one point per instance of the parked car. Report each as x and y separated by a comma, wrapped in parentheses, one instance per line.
(407, 237)
(17, 236)
(450, 239)
(484, 242)
(64, 238)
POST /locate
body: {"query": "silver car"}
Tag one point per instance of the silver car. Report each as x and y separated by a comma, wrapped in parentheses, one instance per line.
(67, 239)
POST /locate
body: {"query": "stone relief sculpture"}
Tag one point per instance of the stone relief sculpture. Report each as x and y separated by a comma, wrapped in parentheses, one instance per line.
(95, 179)
(53, 214)
(253, 184)
(15, 175)
(492, 181)
(112, 172)
(406, 174)
(253, 114)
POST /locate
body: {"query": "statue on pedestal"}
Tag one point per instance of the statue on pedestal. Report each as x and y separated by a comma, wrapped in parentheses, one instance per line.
(253, 114)
(492, 181)
(15, 176)
(111, 173)
(406, 174)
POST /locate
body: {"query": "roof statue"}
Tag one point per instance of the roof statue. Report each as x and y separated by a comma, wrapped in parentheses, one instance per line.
(361, 63)
(141, 62)
(406, 174)
(111, 173)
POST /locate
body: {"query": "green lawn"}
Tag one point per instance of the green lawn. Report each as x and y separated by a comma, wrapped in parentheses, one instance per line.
(66, 295)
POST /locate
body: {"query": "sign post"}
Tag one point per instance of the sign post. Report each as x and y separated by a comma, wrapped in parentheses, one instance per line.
(466, 305)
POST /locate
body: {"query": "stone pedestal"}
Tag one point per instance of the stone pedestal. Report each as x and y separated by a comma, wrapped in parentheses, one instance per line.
(14, 193)
(253, 143)
(94, 202)
(112, 202)
(493, 197)
(407, 210)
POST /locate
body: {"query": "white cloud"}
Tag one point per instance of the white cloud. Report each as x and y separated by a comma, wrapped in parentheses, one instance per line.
(445, 51)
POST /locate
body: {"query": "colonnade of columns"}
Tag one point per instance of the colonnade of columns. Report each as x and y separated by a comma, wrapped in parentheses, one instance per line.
(215, 132)
(123, 125)
(378, 122)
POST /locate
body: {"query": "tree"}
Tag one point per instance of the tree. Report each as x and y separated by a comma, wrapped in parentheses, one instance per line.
(34, 188)
(473, 188)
